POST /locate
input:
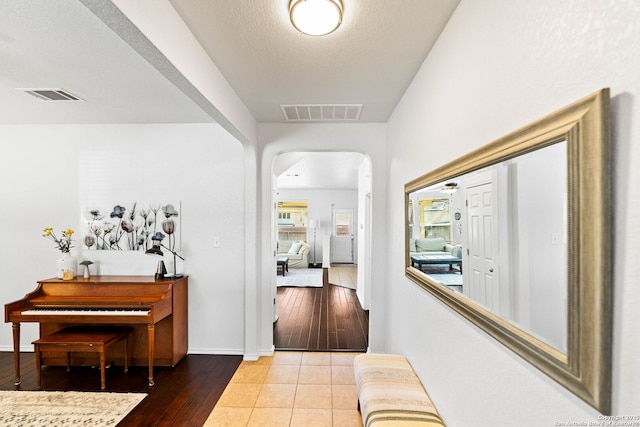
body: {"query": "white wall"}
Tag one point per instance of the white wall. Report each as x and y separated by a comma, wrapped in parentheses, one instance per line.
(40, 184)
(365, 232)
(541, 217)
(499, 65)
(320, 204)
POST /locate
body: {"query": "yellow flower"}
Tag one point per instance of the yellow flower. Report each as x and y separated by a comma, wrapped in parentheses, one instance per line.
(64, 244)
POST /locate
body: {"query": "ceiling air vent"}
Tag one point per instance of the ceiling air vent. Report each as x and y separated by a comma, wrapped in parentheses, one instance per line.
(322, 112)
(51, 94)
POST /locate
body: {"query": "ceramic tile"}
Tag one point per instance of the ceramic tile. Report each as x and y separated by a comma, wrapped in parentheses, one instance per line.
(347, 418)
(313, 396)
(250, 374)
(343, 359)
(282, 374)
(287, 358)
(344, 396)
(239, 395)
(276, 396)
(315, 375)
(270, 417)
(262, 360)
(228, 417)
(291, 389)
(316, 358)
(311, 418)
(343, 375)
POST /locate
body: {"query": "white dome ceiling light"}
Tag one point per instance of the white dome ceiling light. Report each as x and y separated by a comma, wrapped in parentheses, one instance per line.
(316, 17)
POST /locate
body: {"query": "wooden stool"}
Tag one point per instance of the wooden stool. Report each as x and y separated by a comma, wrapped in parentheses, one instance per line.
(82, 339)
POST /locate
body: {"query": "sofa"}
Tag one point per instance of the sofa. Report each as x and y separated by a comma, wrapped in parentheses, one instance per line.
(296, 250)
(435, 246)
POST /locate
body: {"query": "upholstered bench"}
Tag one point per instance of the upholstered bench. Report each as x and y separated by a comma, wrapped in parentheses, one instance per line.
(391, 394)
(81, 339)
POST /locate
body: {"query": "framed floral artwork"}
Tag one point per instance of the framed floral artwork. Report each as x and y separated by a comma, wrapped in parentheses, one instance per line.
(132, 226)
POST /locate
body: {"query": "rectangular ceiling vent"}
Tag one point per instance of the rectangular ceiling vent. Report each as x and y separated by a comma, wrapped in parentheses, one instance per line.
(322, 112)
(51, 94)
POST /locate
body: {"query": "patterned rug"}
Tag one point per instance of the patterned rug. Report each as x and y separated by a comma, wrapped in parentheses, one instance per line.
(447, 279)
(443, 275)
(58, 408)
(309, 277)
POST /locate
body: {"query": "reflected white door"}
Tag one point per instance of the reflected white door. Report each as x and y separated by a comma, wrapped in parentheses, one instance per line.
(342, 236)
(483, 279)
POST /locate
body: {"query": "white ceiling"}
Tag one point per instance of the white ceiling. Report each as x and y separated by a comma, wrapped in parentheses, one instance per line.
(61, 44)
(318, 170)
(369, 60)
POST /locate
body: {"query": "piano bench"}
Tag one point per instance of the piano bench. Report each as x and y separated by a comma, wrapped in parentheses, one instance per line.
(81, 339)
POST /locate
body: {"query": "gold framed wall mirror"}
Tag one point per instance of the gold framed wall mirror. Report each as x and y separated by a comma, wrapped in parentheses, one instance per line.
(516, 237)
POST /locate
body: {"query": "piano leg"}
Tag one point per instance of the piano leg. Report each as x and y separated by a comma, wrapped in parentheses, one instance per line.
(16, 351)
(150, 331)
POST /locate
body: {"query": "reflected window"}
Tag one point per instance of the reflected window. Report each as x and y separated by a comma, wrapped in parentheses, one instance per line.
(436, 218)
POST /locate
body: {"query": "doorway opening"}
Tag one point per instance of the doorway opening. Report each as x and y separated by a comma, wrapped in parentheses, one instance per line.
(329, 316)
(342, 237)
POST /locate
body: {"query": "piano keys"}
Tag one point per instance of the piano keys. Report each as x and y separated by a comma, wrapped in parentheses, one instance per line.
(62, 311)
(155, 309)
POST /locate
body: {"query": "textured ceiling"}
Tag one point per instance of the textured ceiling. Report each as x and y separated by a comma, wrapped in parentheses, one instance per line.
(370, 59)
(61, 44)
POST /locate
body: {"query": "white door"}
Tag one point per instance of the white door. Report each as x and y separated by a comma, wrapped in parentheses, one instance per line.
(342, 236)
(483, 279)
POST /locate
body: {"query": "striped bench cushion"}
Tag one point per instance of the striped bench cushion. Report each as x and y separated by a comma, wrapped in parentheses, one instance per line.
(391, 394)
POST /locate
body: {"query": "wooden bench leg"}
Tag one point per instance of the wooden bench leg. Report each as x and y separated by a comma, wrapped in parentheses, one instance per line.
(78, 339)
(38, 367)
(102, 363)
(151, 337)
(126, 357)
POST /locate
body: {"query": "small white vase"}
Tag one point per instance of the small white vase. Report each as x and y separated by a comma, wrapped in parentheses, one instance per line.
(66, 264)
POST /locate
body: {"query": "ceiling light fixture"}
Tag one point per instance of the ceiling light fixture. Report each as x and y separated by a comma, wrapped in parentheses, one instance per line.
(449, 188)
(316, 17)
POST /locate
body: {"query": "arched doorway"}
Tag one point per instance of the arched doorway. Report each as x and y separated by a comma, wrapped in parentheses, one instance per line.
(325, 182)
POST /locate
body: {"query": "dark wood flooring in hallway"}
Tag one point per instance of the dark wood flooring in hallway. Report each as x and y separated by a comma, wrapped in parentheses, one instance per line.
(182, 396)
(320, 319)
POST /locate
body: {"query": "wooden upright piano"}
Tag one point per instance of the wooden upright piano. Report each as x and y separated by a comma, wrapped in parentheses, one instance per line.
(155, 309)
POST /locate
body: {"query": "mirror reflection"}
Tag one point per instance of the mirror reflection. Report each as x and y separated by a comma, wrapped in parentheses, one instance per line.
(516, 237)
(498, 236)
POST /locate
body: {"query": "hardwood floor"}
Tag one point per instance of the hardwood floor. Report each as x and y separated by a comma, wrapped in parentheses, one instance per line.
(320, 319)
(184, 395)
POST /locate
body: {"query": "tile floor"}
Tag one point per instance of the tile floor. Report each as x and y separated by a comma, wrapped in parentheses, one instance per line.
(344, 275)
(291, 389)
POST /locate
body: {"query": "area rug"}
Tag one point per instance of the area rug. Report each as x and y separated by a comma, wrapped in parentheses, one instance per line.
(447, 279)
(309, 277)
(59, 408)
